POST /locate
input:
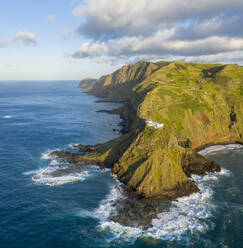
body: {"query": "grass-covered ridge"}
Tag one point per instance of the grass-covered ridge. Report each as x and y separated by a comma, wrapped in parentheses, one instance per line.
(199, 104)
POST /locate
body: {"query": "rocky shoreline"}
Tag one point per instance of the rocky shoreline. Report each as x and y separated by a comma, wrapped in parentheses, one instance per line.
(198, 105)
(133, 209)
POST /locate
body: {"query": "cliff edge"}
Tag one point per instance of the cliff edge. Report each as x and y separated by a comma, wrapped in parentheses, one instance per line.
(173, 110)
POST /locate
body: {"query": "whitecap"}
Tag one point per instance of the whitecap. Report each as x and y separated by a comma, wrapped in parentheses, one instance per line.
(7, 117)
(217, 148)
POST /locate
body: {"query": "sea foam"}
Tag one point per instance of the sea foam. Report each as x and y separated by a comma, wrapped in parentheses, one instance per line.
(217, 148)
(187, 216)
(49, 175)
(47, 156)
(73, 145)
(44, 176)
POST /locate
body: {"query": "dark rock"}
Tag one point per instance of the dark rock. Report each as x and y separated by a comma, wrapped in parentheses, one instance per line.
(65, 171)
(199, 165)
(233, 117)
(186, 143)
(135, 212)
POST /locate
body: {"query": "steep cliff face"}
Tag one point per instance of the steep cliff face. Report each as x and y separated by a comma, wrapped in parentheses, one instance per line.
(87, 82)
(198, 104)
(118, 86)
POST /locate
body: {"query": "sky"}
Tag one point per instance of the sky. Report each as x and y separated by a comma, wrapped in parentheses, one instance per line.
(74, 39)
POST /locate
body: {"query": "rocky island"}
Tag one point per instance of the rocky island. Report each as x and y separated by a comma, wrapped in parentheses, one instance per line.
(171, 110)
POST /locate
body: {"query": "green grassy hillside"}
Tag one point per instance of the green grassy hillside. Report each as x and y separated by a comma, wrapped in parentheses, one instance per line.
(87, 82)
(199, 105)
(118, 85)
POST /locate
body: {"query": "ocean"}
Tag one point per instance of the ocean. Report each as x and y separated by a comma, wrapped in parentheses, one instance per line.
(40, 210)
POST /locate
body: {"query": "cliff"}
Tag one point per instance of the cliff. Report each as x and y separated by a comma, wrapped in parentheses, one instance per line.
(87, 82)
(119, 85)
(198, 105)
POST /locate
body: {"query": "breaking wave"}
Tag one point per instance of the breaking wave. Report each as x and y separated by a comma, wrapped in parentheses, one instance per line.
(186, 217)
(106, 206)
(57, 173)
(47, 155)
(45, 176)
(217, 148)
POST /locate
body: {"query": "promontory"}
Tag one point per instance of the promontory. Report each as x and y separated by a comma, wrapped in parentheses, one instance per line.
(170, 111)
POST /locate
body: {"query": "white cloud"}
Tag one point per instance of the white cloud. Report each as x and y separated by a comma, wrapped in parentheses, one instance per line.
(27, 38)
(160, 43)
(126, 17)
(228, 57)
(24, 38)
(135, 29)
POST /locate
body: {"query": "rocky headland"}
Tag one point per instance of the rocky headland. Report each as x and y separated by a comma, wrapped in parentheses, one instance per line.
(193, 105)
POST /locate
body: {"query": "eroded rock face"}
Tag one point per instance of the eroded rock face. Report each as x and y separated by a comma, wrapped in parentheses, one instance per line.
(198, 165)
(87, 82)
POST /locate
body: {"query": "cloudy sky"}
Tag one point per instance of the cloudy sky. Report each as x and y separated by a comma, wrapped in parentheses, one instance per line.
(72, 39)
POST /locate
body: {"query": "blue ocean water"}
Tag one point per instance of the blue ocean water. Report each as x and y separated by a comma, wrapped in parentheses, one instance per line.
(41, 211)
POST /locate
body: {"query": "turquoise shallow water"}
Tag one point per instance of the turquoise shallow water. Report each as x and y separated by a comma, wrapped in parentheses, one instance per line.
(37, 210)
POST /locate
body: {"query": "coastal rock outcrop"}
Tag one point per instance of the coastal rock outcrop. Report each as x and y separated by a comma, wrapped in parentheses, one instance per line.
(198, 104)
(87, 82)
